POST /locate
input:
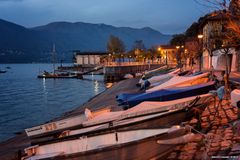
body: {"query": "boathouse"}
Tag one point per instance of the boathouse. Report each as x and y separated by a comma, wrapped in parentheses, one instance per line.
(88, 58)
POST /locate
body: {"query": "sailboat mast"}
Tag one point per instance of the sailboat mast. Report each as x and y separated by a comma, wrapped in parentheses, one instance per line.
(53, 52)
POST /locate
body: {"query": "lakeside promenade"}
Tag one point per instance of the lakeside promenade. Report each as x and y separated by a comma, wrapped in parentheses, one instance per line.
(217, 135)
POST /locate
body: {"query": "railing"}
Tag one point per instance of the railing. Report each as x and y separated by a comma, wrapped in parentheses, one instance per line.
(129, 63)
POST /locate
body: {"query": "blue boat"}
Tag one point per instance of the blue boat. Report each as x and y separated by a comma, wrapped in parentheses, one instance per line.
(124, 96)
(169, 94)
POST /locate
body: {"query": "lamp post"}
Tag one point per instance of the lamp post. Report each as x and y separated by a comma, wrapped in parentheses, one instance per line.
(178, 56)
(200, 37)
(159, 49)
(166, 58)
(109, 58)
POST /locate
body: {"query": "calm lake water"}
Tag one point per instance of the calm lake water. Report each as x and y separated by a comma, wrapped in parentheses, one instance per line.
(26, 101)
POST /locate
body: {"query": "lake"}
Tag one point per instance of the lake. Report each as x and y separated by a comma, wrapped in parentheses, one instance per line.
(26, 101)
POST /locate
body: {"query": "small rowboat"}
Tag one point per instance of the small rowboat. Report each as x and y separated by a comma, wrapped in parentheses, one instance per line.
(122, 145)
(128, 101)
(3, 71)
(147, 115)
(157, 80)
(181, 81)
(59, 126)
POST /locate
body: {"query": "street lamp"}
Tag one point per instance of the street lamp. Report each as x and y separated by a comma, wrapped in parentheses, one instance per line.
(200, 37)
(159, 49)
(178, 55)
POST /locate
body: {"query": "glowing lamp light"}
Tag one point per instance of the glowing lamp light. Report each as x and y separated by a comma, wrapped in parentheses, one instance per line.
(200, 36)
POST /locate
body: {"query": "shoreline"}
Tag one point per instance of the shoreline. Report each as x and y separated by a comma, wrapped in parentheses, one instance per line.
(21, 141)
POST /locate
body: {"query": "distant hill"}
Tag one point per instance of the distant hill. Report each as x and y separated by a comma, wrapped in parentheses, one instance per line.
(23, 45)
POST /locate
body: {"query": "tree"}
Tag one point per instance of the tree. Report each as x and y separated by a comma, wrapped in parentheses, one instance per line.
(193, 30)
(229, 11)
(154, 53)
(178, 39)
(115, 45)
(139, 45)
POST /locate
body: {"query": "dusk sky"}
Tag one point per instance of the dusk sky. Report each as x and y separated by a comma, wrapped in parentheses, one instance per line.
(166, 16)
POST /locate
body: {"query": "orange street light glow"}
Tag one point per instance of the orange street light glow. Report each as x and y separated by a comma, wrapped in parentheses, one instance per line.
(200, 36)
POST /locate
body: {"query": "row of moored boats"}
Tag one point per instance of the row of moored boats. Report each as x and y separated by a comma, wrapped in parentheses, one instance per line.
(148, 126)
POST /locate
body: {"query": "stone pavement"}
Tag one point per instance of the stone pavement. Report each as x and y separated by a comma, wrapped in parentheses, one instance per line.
(218, 137)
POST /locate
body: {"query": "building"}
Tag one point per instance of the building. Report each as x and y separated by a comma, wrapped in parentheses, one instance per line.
(192, 48)
(213, 29)
(168, 54)
(88, 58)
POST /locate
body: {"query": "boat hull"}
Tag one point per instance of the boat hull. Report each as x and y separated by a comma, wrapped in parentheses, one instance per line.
(1, 71)
(168, 94)
(146, 148)
(157, 120)
(142, 150)
(56, 127)
(155, 117)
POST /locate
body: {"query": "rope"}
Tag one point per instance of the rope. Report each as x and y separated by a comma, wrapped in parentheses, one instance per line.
(191, 128)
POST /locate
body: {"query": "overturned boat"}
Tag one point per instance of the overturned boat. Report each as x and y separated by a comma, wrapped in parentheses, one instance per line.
(60, 125)
(156, 80)
(145, 115)
(181, 81)
(194, 79)
(165, 94)
(151, 73)
(120, 145)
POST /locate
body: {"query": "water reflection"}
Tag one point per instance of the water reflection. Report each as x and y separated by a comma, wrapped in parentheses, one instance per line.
(44, 86)
(39, 100)
(96, 87)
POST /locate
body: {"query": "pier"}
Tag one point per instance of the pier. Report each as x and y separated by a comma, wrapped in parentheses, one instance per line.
(113, 71)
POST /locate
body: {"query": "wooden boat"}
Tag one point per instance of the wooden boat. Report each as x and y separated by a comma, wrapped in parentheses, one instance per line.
(148, 115)
(59, 126)
(166, 94)
(157, 80)
(60, 75)
(151, 73)
(121, 145)
(165, 85)
(184, 73)
(181, 81)
(190, 137)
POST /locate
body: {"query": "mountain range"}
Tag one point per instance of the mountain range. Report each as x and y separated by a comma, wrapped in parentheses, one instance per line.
(19, 44)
